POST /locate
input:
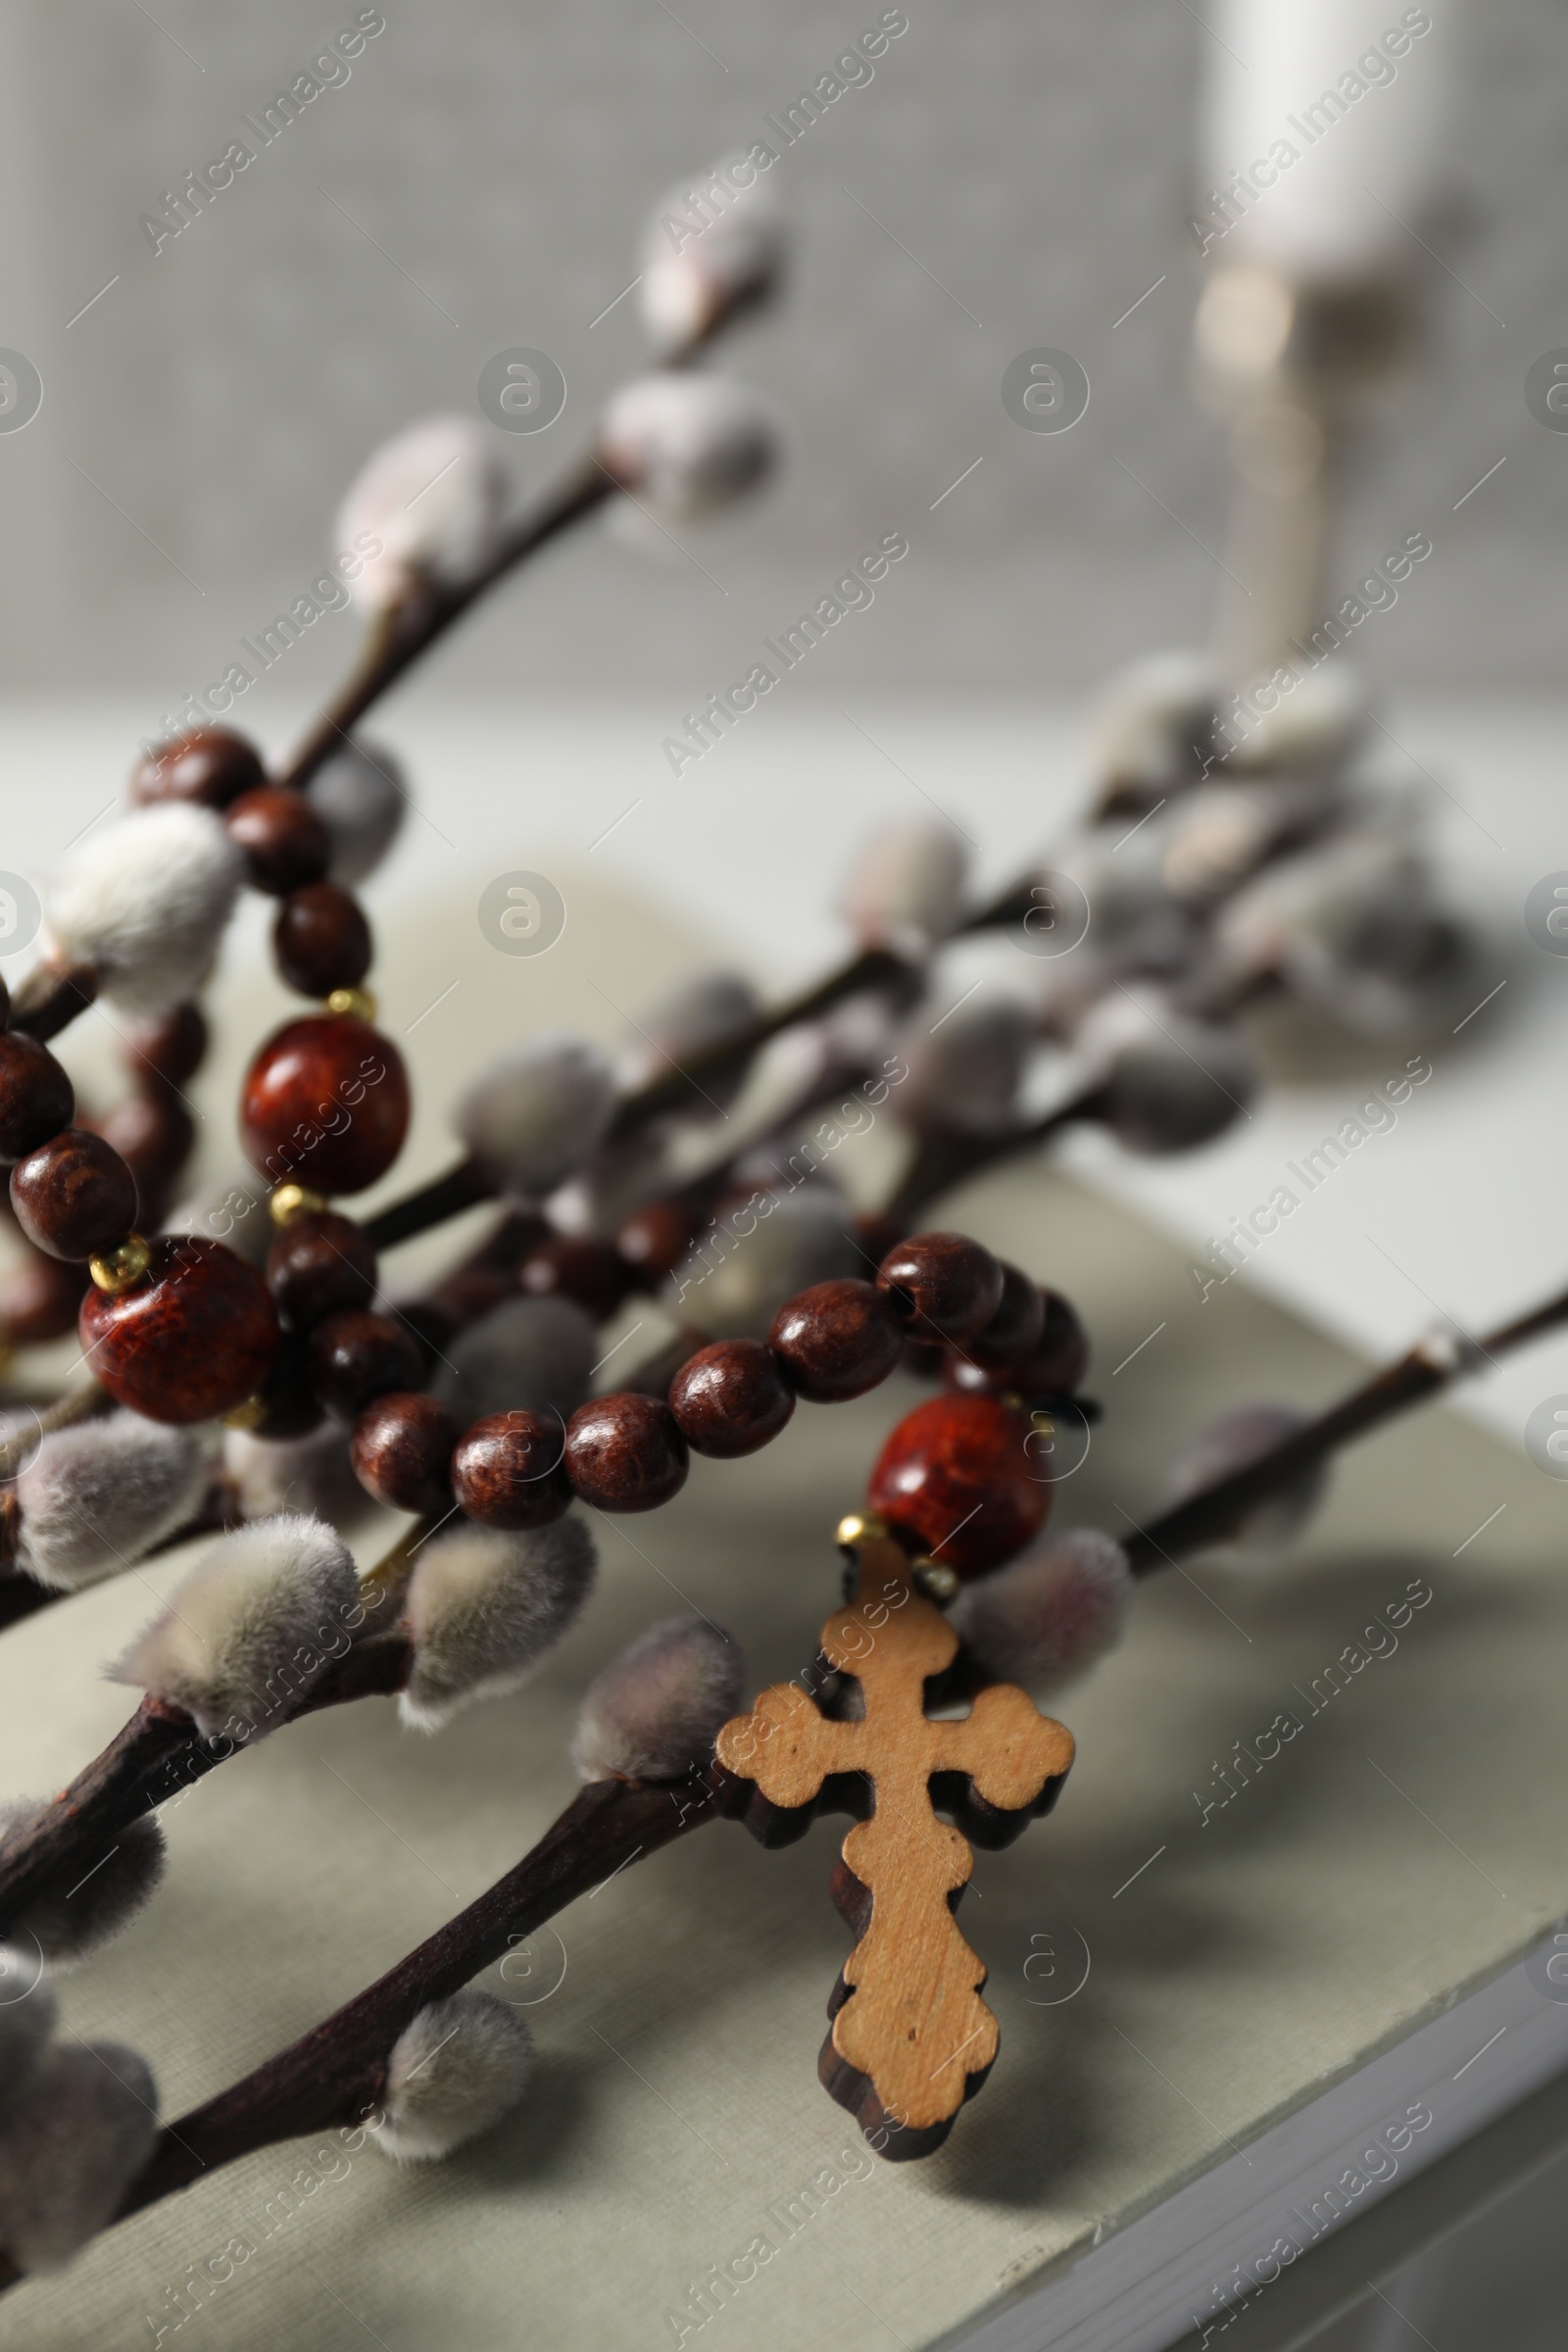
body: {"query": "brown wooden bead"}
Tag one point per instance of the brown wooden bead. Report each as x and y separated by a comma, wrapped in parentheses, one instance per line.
(192, 1339)
(37, 1097)
(1014, 1330)
(625, 1452)
(321, 940)
(729, 1399)
(39, 1298)
(357, 1356)
(290, 1407)
(285, 843)
(946, 1285)
(209, 764)
(960, 1478)
(836, 1340)
(654, 1239)
(172, 1049)
(509, 1470)
(5, 1004)
(318, 1263)
(402, 1445)
(154, 1134)
(579, 1267)
(1053, 1366)
(326, 1104)
(75, 1195)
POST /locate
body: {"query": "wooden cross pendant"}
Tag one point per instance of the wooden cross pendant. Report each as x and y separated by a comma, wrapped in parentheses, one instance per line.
(910, 2038)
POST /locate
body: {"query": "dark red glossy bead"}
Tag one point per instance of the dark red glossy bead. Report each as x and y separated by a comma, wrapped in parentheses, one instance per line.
(942, 1283)
(625, 1452)
(172, 1049)
(356, 1356)
(401, 1448)
(75, 1195)
(1053, 1367)
(209, 764)
(836, 1340)
(959, 1476)
(326, 1104)
(592, 1272)
(1015, 1331)
(318, 1263)
(509, 1470)
(37, 1097)
(192, 1339)
(284, 841)
(39, 1298)
(321, 940)
(654, 1239)
(154, 1134)
(730, 1399)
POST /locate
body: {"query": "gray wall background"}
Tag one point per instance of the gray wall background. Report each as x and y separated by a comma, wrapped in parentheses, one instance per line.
(201, 419)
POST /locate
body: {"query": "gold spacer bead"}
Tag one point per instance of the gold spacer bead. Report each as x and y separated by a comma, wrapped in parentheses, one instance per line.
(291, 1200)
(357, 1000)
(935, 1578)
(118, 1268)
(860, 1527)
(247, 1415)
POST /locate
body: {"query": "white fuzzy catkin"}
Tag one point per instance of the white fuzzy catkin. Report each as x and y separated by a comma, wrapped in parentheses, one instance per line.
(144, 902)
(94, 1899)
(532, 1118)
(707, 247)
(358, 796)
(1050, 1615)
(1230, 1443)
(458, 2068)
(685, 445)
(94, 1499)
(431, 499)
(28, 2011)
(538, 1352)
(313, 1474)
(251, 1627)
(905, 890)
(740, 1272)
(78, 2132)
(656, 1709)
(1157, 720)
(483, 1606)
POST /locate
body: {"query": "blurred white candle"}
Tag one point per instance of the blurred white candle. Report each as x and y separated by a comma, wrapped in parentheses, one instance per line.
(1323, 132)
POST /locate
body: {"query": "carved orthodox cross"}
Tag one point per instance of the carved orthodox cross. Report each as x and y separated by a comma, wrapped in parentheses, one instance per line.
(912, 2039)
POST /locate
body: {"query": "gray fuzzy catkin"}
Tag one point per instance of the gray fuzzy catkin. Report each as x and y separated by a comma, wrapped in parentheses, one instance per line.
(457, 2068)
(538, 1352)
(76, 2135)
(482, 1607)
(251, 1627)
(905, 887)
(312, 1474)
(685, 444)
(537, 1115)
(1231, 1443)
(740, 1272)
(656, 1710)
(90, 1902)
(28, 2011)
(1050, 1615)
(144, 902)
(96, 1497)
(358, 796)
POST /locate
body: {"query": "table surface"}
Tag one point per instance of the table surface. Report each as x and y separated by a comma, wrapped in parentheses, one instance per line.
(1405, 1845)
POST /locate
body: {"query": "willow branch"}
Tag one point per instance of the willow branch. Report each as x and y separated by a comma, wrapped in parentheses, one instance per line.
(1219, 1510)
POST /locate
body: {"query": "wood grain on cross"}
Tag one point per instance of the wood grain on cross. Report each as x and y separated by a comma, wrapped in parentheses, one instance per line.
(912, 2039)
